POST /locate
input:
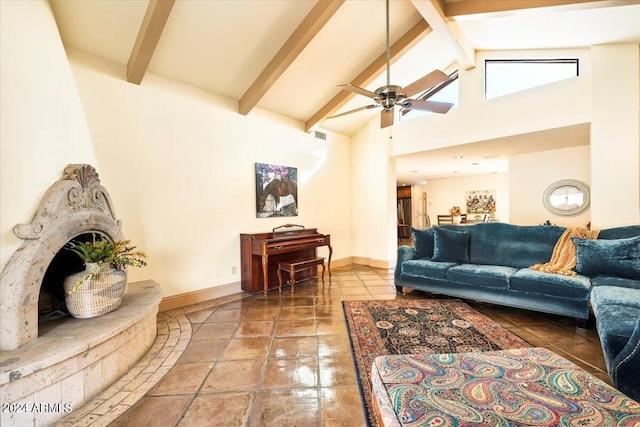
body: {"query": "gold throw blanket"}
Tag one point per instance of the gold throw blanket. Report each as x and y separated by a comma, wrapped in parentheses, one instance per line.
(563, 258)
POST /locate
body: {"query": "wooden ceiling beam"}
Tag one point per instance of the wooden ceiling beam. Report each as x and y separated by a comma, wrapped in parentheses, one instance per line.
(153, 24)
(377, 67)
(306, 31)
(448, 31)
(473, 7)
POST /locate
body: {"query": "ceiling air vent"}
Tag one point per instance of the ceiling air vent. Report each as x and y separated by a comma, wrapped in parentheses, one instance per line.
(320, 135)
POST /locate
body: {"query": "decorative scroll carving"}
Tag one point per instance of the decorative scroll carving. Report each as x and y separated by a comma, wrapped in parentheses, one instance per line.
(79, 189)
(91, 194)
(28, 231)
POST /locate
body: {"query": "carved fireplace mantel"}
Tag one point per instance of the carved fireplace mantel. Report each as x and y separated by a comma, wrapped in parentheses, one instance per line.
(74, 205)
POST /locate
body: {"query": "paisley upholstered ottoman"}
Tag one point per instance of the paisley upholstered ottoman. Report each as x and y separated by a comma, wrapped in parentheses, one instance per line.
(522, 387)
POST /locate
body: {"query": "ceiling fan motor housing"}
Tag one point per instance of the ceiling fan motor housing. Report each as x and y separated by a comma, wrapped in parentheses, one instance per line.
(390, 95)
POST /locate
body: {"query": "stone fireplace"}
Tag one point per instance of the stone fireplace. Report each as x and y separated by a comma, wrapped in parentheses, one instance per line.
(66, 361)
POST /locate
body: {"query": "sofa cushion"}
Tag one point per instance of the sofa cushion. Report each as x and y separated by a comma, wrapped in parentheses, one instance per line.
(614, 295)
(426, 268)
(490, 276)
(423, 242)
(615, 281)
(617, 311)
(620, 232)
(557, 285)
(616, 257)
(511, 245)
(450, 246)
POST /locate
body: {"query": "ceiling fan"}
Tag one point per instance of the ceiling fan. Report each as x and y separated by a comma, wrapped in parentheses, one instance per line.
(389, 96)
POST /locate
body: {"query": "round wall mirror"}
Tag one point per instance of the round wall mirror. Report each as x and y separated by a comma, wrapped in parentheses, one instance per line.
(566, 197)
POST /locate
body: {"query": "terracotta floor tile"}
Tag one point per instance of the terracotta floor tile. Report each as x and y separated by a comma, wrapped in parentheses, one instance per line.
(255, 329)
(358, 297)
(377, 283)
(556, 334)
(182, 379)
(200, 316)
(227, 315)
(294, 347)
(154, 412)
(213, 331)
(235, 375)
(291, 373)
(298, 301)
(218, 410)
(203, 351)
(382, 290)
(582, 354)
(342, 407)
(297, 313)
(290, 328)
(350, 283)
(360, 290)
(331, 325)
(260, 313)
(334, 345)
(329, 310)
(337, 371)
(246, 348)
(279, 408)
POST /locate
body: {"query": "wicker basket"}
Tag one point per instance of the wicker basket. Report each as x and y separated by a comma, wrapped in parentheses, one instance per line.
(96, 296)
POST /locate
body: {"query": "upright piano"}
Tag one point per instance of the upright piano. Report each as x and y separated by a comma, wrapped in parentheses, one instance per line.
(260, 254)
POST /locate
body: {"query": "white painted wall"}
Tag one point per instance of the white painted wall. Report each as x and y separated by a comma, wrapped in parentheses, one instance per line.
(374, 197)
(615, 135)
(180, 166)
(531, 174)
(42, 124)
(442, 194)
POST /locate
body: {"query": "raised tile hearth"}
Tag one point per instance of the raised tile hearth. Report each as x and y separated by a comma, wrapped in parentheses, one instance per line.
(73, 362)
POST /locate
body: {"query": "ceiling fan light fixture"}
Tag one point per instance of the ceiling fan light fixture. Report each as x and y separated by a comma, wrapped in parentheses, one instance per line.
(388, 96)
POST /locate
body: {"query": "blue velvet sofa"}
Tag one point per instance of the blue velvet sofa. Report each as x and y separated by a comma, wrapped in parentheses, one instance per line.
(490, 262)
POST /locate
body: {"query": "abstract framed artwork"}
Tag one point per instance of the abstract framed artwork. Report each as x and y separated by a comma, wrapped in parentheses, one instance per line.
(276, 190)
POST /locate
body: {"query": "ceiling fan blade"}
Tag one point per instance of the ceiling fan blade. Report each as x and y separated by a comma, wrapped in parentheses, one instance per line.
(367, 107)
(386, 117)
(430, 80)
(432, 106)
(358, 90)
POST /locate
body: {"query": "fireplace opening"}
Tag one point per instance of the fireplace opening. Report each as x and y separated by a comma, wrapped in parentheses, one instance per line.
(51, 302)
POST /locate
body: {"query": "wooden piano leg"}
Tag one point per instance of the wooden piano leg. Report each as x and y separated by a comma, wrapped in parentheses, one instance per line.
(292, 279)
(279, 279)
(265, 273)
(329, 262)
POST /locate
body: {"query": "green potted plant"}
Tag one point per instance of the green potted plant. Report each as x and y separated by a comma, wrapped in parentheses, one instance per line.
(99, 288)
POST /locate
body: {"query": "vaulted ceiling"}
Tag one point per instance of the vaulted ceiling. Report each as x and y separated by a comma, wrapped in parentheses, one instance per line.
(289, 56)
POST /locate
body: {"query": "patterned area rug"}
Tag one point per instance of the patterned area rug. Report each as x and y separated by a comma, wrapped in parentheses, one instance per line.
(426, 326)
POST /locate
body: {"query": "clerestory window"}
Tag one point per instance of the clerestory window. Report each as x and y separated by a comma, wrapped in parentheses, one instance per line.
(505, 76)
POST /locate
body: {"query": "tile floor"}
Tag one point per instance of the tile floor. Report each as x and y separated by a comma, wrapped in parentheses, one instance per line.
(286, 360)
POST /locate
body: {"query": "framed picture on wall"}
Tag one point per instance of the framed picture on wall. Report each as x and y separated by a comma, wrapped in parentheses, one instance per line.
(276, 190)
(481, 202)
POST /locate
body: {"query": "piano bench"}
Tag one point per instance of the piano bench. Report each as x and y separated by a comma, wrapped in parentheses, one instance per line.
(297, 265)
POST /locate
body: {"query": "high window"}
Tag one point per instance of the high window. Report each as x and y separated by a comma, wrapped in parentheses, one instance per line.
(505, 76)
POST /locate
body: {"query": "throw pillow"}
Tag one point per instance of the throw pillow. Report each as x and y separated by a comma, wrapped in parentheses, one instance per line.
(450, 246)
(423, 242)
(617, 257)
